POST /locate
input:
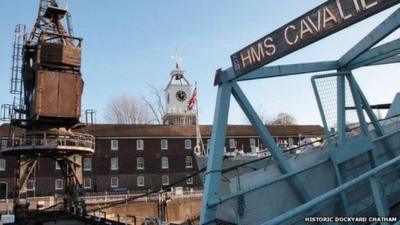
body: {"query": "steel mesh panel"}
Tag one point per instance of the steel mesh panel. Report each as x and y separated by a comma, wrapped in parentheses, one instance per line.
(327, 90)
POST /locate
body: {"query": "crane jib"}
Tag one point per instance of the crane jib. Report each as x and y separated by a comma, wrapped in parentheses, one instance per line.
(322, 21)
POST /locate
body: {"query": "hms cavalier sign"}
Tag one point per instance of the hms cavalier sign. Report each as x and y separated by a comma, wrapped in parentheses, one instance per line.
(318, 23)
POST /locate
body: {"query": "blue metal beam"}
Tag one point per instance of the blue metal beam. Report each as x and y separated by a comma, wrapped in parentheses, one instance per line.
(376, 54)
(268, 140)
(343, 198)
(379, 197)
(361, 117)
(366, 106)
(341, 110)
(394, 59)
(380, 32)
(215, 160)
(358, 104)
(285, 70)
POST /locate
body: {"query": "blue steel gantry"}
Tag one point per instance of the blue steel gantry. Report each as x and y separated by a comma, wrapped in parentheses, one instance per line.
(342, 147)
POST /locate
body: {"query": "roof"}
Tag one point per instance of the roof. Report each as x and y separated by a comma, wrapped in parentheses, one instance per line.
(147, 130)
(5, 130)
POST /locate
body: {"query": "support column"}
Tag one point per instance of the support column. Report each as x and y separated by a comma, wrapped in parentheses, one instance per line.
(215, 160)
(341, 110)
(360, 113)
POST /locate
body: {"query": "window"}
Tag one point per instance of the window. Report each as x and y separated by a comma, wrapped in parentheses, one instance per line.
(164, 162)
(283, 143)
(139, 145)
(30, 185)
(114, 182)
(188, 144)
(58, 167)
(87, 183)
(114, 163)
(291, 142)
(164, 144)
(114, 144)
(2, 165)
(87, 164)
(140, 181)
(189, 180)
(232, 143)
(59, 184)
(140, 163)
(165, 180)
(3, 143)
(189, 163)
(252, 144)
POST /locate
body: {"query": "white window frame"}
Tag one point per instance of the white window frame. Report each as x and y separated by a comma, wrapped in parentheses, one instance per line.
(3, 164)
(139, 144)
(189, 162)
(114, 145)
(60, 181)
(165, 145)
(140, 181)
(32, 181)
(232, 143)
(188, 144)
(57, 165)
(189, 180)
(3, 143)
(290, 141)
(87, 164)
(164, 162)
(138, 159)
(165, 178)
(114, 159)
(252, 142)
(116, 179)
(85, 183)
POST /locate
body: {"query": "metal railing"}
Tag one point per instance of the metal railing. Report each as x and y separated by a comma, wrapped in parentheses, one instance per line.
(51, 140)
(105, 197)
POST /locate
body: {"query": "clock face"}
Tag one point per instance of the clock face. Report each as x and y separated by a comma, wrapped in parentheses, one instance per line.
(181, 95)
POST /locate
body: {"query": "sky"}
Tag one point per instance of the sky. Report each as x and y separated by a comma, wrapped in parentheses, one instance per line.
(128, 46)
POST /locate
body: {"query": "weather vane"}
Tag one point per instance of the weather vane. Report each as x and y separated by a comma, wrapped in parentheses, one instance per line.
(177, 59)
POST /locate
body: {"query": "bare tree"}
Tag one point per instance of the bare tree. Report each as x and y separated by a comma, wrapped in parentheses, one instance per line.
(128, 109)
(261, 112)
(283, 119)
(156, 103)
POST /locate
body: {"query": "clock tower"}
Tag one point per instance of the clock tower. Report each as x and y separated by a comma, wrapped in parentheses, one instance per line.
(178, 93)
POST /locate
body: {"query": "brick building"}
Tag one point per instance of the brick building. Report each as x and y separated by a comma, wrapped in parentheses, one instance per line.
(143, 157)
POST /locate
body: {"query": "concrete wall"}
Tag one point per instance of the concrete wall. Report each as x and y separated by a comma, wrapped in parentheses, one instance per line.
(178, 210)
